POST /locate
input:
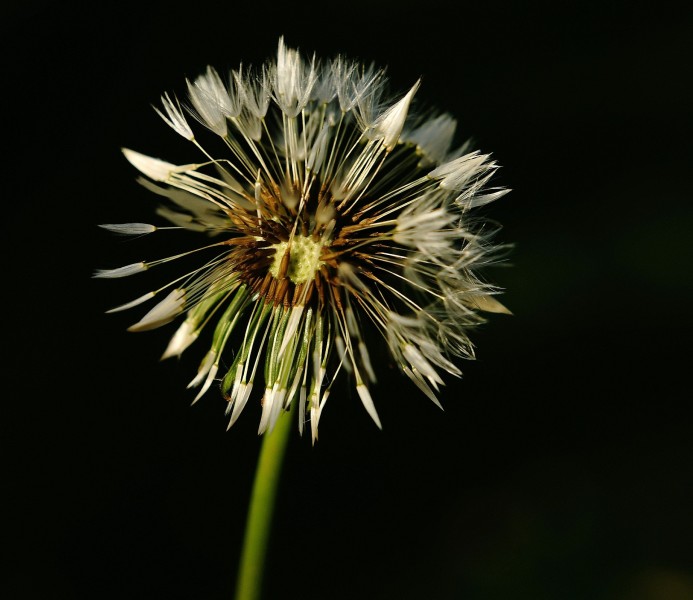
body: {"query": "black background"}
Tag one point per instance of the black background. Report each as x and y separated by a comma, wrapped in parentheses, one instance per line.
(561, 467)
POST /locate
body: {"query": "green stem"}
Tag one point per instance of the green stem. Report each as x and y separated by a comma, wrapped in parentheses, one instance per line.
(259, 522)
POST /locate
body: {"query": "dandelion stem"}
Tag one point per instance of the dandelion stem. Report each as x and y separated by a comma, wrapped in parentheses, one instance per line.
(261, 509)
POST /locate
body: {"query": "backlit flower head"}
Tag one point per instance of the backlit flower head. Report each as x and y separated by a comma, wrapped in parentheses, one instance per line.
(335, 220)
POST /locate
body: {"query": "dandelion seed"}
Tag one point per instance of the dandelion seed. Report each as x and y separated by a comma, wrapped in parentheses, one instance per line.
(339, 219)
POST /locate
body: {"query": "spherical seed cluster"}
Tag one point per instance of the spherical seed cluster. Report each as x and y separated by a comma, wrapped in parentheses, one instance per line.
(330, 211)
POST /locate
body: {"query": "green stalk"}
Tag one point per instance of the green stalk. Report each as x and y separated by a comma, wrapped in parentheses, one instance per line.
(262, 500)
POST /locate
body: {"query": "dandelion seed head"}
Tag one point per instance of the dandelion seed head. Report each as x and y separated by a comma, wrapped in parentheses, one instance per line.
(334, 217)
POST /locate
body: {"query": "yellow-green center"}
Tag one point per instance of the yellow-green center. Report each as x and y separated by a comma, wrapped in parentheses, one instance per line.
(304, 259)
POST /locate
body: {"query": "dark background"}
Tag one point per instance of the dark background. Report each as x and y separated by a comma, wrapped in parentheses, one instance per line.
(561, 467)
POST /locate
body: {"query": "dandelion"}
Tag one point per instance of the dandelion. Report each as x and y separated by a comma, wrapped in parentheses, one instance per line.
(335, 217)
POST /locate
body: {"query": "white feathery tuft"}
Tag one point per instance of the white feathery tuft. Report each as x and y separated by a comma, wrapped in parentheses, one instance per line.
(174, 117)
(433, 138)
(129, 228)
(125, 271)
(184, 336)
(211, 101)
(368, 404)
(389, 125)
(164, 312)
(154, 168)
(133, 303)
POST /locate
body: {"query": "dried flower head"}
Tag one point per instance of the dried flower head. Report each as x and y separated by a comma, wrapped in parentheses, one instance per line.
(336, 212)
